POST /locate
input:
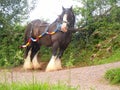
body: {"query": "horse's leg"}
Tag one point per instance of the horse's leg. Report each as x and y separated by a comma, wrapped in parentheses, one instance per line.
(27, 61)
(60, 54)
(53, 63)
(34, 56)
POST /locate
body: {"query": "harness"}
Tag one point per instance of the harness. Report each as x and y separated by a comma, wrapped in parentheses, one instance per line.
(58, 28)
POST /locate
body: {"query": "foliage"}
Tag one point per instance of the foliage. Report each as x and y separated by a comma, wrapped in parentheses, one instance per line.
(11, 55)
(12, 13)
(113, 75)
(70, 62)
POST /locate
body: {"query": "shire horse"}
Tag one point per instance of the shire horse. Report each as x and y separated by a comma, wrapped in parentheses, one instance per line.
(56, 35)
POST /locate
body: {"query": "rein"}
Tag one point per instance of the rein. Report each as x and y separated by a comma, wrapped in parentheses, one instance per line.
(58, 28)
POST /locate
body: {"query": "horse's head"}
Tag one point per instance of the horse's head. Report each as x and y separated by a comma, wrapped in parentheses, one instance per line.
(67, 19)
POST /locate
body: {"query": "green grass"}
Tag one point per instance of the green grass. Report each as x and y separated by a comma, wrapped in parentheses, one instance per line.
(113, 76)
(34, 86)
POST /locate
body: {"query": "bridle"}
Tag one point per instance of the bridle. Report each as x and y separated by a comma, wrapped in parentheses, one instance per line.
(64, 22)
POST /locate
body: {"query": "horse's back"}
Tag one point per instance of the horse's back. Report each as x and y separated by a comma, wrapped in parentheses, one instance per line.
(36, 28)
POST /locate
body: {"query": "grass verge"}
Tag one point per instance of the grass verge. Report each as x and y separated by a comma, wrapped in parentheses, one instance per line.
(113, 76)
(34, 86)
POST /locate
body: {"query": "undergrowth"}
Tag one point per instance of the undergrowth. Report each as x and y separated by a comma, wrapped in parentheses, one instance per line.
(100, 48)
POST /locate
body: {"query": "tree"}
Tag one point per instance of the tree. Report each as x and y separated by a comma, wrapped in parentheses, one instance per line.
(97, 14)
(94, 9)
(12, 14)
(97, 10)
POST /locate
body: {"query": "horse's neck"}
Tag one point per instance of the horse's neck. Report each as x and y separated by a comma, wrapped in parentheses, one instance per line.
(52, 27)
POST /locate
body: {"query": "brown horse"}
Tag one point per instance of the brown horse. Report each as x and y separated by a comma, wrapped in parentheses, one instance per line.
(57, 35)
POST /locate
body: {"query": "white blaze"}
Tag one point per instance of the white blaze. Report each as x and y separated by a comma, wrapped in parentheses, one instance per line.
(65, 18)
(64, 24)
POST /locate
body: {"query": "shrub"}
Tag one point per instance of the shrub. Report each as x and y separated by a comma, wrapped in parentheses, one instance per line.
(113, 75)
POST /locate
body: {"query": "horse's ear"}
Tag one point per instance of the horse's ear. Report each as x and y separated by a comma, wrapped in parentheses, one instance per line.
(71, 8)
(63, 8)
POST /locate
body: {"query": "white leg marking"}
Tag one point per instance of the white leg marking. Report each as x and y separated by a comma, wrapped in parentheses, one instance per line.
(53, 64)
(27, 62)
(35, 62)
(58, 64)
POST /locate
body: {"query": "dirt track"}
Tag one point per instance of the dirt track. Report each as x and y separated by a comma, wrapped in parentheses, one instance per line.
(87, 78)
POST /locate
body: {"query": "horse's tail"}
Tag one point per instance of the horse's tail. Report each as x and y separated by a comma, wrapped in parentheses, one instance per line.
(27, 35)
(33, 32)
(28, 32)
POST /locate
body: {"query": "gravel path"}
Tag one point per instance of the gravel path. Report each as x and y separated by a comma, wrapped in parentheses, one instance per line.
(87, 78)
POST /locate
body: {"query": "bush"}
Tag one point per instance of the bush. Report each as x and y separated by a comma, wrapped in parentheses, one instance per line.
(113, 75)
(11, 55)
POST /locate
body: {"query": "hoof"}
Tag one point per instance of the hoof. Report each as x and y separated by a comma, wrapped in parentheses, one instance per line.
(27, 66)
(52, 69)
(37, 66)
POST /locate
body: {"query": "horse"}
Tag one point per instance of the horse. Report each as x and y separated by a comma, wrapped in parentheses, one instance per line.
(56, 35)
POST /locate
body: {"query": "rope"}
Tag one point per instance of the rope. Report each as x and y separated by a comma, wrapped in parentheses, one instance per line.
(41, 35)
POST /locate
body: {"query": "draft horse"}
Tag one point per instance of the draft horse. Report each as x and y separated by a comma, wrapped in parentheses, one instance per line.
(56, 35)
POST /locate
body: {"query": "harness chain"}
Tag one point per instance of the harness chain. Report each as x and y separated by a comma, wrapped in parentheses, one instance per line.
(41, 35)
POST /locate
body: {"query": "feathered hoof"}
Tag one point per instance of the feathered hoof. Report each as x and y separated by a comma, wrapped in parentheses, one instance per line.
(54, 66)
(37, 67)
(50, 69)
(28, 66)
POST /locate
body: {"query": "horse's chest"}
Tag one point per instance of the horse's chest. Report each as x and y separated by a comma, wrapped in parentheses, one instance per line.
(45, 40)
(61, 38)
